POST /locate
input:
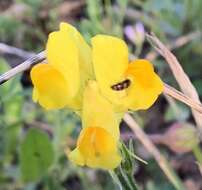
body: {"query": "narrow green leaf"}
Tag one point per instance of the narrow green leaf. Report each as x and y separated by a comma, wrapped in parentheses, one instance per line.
(36, 155)
(116, 179)
(124, 178)
(131, 153)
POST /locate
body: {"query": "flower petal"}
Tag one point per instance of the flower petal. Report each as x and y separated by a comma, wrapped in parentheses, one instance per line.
(97, 145)
(145, 87)
(103, 114)
(50, 87)
(76, 157)
(62, 54)
(110, 60)
(35, 94)
(96, 148)
(85, 54)
(68, 53)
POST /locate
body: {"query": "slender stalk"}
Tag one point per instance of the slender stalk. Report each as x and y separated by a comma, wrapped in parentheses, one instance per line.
(116, 179)
(177, 43)
(124, 180)
(129, 180)
(161, 160)
(168, 90)
(41, 57)
(181, 77)
(183, 80)
(6, 49)
(22, 67)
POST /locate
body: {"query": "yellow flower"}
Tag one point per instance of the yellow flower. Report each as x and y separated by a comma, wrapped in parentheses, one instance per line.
(97, 145)
(129, 85)
(60, 82)
(66, 81)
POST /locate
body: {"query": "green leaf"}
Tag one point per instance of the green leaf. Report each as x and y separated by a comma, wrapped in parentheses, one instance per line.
(11, 98)
(36, 155)
(123, 175)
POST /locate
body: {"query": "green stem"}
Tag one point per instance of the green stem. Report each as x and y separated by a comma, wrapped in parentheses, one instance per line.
(132, 181)
(116, 179)
(127, 180)
(123, 179)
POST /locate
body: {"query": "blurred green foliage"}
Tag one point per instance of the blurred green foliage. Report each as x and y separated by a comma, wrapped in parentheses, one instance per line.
(32, 141)
(35, 161)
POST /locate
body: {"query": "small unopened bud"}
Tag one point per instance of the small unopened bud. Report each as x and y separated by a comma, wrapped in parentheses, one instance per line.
(130, 33)
(135, 34)
(181, 137)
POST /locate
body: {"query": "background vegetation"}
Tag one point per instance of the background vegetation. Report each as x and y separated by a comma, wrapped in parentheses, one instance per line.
(32, 141)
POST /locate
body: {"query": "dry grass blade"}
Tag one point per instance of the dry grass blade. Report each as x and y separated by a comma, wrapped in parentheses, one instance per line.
(169, 90)
(6, 49)
(179, 74)
(182, 40)
(151, 148)
(22, 67)
(41, 56)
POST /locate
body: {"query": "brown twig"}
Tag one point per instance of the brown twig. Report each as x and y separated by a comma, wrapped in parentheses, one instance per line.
(152, 149)
(179, 42)
(154, 138)
(41, 57)
(179, 74)
(6, 49)
(22, 67)
(170, 91)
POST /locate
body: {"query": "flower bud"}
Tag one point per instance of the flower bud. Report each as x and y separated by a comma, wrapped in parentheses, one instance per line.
(181, 137)
(135, 34)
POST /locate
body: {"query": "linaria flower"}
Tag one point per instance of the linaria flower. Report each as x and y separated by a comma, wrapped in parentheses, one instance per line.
(112, 69)
(101, 83)
(97, 145)
(60, 82)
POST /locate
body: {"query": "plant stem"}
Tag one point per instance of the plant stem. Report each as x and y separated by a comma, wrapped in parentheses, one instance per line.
(161, 160)
(123, 179)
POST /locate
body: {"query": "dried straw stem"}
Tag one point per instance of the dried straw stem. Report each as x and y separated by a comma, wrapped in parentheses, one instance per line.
(179, 74)
(152, 149)
(22, 67)
(170, 91)
(6, 49)
(179, 42)
(41, 57)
